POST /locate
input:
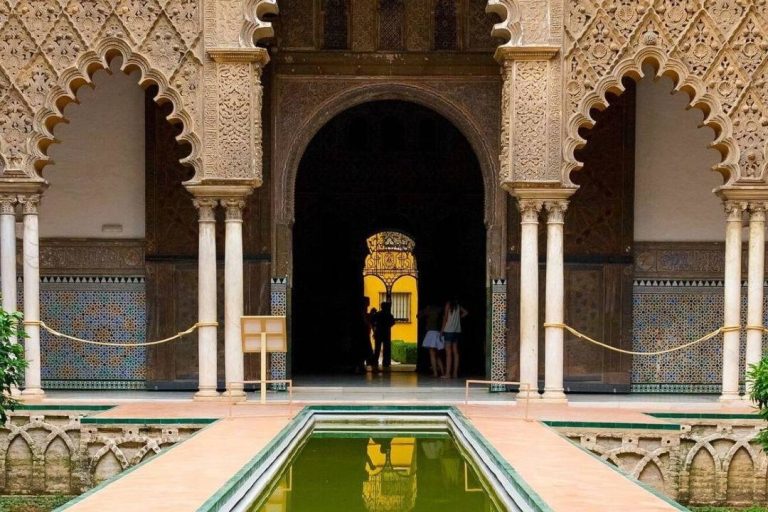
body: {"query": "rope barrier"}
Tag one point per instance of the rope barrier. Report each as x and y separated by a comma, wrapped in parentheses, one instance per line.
(719, 330)
(176, 336)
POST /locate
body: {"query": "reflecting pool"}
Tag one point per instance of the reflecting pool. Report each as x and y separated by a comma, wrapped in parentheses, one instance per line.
(352, 471)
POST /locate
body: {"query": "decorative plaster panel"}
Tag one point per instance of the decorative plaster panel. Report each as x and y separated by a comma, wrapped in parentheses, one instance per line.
(715, 51)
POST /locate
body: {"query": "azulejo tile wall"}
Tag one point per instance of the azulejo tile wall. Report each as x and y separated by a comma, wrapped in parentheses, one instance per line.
(97, 308)
(668, 313)
(278, 364)
(498, 347)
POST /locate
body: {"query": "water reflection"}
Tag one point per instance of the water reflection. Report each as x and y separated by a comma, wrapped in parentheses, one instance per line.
(377, 474)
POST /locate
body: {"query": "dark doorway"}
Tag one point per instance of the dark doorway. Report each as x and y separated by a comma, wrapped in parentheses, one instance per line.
(385, 165)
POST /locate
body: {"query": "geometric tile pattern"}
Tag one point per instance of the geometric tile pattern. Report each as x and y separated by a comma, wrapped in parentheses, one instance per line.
(498, 332)
(278, 306)
(667, 314)
(98, 308)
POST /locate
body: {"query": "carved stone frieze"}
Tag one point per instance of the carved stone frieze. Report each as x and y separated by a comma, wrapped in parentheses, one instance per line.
(682, 260)
(675, 260)
(85, 257)
(705, 462)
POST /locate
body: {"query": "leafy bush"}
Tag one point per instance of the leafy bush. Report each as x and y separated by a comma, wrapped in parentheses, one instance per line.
(32, 503)
(403, 352)
(728, 509)
(12, 361)
(757, 379)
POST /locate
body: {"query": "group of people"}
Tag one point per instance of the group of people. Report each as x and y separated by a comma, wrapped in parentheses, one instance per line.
(443, 328)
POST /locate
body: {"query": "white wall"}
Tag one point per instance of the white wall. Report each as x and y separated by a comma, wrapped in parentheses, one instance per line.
(98, 174)
(673, 162)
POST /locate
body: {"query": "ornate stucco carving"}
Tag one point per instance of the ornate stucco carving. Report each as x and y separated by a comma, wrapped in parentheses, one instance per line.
(509, 28)
(238, 23)
(49, 48)
(717, 52)
(531, 116)
(233, 133)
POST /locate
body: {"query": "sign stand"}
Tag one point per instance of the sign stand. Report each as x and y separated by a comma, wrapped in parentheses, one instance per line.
(263, 334)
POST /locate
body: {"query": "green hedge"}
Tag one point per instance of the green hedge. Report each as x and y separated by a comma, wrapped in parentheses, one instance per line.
(403, 352)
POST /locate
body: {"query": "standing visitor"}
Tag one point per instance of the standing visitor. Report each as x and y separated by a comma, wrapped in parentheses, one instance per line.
(451, 332)
(382, 334)
(362, 338)
(430, 315)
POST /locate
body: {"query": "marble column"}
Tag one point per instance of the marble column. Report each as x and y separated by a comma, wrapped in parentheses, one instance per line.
(206, 299)
(754, 349)
(31, 257)
(732, 293)
(8, 251)
(233, 296)
(554, 309)
(8, 258)
(529, 294)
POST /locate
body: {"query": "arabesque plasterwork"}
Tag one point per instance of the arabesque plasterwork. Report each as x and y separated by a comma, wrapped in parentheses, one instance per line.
(50, 48)
(716, 52)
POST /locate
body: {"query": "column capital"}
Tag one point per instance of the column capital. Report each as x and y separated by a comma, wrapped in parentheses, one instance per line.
(757, 210)
(206, 208)
(30, 204)
(529, 210)
(734, 209)
(556, 211)
(233, 208)
(8, 204)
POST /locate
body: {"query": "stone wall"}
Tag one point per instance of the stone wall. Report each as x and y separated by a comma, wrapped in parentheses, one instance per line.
(58, 451)
(711, 461)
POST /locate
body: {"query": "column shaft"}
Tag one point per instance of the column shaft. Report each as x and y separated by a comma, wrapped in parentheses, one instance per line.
(31, 256)
(233, 296)
(554, 310)
(756, 277)
(529, 295)
(8, 259)
(206, 299)
(732, 299)
(8, 252)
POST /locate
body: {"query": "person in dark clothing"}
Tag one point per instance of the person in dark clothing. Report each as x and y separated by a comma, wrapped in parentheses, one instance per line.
(382, 334)
(362, 338)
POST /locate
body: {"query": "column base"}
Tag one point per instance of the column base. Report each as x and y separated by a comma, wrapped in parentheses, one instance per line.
(531, 394)
(15, 392)
(729, 397)
(32, 394)
(206, 395)
(234, 395)
(554, 397)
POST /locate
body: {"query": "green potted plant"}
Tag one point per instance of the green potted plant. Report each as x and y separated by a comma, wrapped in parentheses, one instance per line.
(757, 381)
(12, 362)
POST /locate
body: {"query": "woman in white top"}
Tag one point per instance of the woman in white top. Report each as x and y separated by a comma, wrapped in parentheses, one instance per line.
(451, 333)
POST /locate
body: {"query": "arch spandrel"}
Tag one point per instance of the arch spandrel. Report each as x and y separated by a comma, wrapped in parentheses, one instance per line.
(49, 50)
(309, 118)
(716, 53)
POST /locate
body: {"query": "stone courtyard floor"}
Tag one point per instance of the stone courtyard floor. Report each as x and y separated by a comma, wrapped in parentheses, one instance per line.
(566, 477)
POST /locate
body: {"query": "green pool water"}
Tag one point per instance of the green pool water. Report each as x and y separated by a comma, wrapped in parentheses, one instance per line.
(377, 472)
